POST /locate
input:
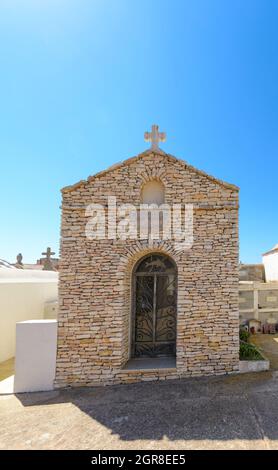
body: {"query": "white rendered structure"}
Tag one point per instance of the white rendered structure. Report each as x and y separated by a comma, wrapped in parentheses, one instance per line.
(36, 343)
(23, 295)
(270, 261)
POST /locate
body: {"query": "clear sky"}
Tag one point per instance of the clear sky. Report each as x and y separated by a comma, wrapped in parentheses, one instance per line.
(81, 80)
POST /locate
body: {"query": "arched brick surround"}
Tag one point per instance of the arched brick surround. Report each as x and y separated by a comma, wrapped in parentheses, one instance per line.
(125, 275)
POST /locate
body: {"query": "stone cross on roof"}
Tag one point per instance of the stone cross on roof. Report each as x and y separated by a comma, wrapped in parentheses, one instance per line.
(155, 137)
(48, 266)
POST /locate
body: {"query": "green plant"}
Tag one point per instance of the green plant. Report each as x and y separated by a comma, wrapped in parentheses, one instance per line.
(249, 352)
(244, 335)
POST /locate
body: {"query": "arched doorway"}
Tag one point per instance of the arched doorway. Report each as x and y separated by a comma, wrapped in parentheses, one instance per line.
(154, 307)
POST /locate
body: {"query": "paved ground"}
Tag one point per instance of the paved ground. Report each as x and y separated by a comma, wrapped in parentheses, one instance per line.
(235, 412)
(6, 369)
(7, 376)
(231, 412)
(269, 346)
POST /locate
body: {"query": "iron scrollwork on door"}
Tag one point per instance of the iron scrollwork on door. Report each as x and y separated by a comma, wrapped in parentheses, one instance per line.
(154, 326)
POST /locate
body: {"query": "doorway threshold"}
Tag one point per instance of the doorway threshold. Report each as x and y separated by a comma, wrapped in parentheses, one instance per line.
(152, 363)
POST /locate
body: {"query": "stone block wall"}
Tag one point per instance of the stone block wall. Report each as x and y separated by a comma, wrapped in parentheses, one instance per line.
(258, 300)
(95, 294)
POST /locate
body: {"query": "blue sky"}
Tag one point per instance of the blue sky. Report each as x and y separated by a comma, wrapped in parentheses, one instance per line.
(81, 80)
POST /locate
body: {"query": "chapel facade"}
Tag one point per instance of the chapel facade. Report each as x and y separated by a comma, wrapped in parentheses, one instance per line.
(147, 308)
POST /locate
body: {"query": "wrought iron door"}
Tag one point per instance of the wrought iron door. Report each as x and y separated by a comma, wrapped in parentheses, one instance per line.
(154, 323)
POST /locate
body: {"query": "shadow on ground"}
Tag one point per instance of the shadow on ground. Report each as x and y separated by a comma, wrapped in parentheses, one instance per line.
(230, 412)
(237, 411)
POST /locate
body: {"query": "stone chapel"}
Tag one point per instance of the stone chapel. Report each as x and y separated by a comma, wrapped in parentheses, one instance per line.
(135, 309)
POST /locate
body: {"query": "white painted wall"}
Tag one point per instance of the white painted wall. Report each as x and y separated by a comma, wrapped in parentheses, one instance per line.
(270, 262)
(23, 294)
(35, 360)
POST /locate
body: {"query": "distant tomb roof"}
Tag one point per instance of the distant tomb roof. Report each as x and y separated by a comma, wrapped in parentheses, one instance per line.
(251, 272)
(6, 264)
(273, 250)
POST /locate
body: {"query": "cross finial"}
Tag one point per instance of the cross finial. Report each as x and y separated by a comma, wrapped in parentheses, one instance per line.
(47, 265)
(48, 253)
(155, 137)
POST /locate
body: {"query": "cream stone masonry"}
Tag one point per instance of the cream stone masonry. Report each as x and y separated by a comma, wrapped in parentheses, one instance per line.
(95, 289)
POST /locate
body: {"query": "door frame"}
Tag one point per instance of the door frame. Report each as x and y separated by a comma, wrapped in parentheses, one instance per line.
(133, 296)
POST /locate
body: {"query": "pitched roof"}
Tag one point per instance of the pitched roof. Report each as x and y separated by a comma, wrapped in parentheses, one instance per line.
(142, 155)
(6, 264)
(273, 250)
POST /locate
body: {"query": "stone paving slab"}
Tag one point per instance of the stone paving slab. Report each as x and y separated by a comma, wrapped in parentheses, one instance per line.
(231, 412)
